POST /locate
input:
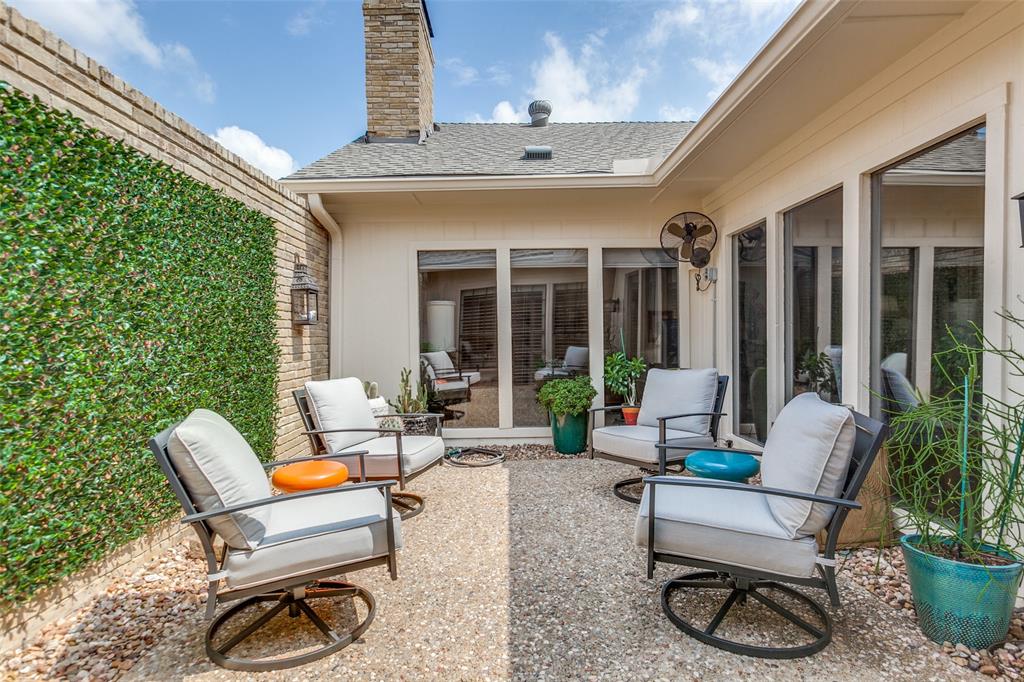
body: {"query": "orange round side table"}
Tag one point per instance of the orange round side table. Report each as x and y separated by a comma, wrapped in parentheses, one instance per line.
(309, 476)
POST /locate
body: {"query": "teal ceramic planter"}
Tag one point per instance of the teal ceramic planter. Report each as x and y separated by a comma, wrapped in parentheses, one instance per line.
(569, 432)
(959, 602)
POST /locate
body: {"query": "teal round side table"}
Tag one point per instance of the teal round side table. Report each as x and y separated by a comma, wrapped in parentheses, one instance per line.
(728, 466)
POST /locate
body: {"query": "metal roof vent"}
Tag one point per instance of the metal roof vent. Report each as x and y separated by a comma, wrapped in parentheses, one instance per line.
(539, 110)
(537, 153)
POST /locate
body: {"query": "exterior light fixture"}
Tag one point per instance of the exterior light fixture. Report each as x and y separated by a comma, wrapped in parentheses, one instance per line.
(305, 295)
(1020, 205)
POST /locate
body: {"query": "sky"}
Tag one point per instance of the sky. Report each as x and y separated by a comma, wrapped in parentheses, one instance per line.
(281, 83)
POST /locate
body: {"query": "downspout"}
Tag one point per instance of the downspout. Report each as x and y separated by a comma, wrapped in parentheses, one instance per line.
(334, 293)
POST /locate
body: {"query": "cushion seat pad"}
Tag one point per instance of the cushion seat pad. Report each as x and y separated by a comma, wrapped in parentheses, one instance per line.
(724, 526)
(637, 442)
(418, 452)
(319, 535)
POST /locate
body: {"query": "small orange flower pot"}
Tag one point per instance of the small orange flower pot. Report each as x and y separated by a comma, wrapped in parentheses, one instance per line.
(630, 415)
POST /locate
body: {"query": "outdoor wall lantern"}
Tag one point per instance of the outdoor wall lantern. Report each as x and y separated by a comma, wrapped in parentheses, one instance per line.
(305, 293)
(1020, 206)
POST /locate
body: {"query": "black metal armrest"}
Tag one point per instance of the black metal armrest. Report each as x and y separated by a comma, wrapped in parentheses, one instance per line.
(242, 506)
(608, 408)
(314, 458)
(729, 485)
(435, 415)
(319, 431)
(692, 414)
(715, 448)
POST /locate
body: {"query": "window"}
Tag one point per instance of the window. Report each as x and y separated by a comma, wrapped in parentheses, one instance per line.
(814, 303)
(549, 325)
(928, 223)
(459, 335)
(750, 305)
(641, 309)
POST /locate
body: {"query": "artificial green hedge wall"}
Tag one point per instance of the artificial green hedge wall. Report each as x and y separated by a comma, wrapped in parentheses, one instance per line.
(130, 294)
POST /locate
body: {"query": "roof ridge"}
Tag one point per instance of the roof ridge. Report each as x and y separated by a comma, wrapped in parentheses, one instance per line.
(553, 123)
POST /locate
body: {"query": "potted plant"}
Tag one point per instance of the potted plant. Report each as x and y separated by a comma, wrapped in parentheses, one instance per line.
(567, 401)
(407, 402)
(818, 375)
(954, 463)
(620, 376)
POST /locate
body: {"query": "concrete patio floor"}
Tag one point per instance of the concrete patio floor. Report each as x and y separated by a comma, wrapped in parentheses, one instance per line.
(527, 571)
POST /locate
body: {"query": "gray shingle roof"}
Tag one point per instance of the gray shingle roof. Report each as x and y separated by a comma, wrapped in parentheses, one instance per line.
(460, 149)
(965, 154)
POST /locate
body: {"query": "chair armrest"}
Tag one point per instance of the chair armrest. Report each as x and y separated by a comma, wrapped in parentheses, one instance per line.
(729, 485)
(242, 506)
(692, 414)
(318, 431)
(715, 448)
(314, 458)
(435, 415)
(608, 408)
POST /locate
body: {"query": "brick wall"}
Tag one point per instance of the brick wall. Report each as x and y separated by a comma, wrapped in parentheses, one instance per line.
(39, 63)
(399, 69)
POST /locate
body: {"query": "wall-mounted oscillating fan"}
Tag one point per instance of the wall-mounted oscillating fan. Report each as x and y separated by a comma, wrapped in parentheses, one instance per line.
(689, 237)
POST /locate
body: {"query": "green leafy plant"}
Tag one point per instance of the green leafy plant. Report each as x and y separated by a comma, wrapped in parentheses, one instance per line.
(817, 370)
(621, 374)
(406, 401)
(567, 396)
(132, 294)
(954, 459)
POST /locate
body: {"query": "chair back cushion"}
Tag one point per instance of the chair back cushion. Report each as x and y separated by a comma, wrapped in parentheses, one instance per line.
(808, 450)
(341, 404)
(577, 357)
(439, 361)
(679, 391)
(219, 469)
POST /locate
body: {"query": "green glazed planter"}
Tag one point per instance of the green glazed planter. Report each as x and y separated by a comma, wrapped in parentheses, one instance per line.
(959, 602)
(569, 432)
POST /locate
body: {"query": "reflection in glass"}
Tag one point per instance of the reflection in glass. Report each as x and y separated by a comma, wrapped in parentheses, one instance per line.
(814, 353)
(751, 312)
(929, 275)
(459, 335)
(641, 309)
(549, 325)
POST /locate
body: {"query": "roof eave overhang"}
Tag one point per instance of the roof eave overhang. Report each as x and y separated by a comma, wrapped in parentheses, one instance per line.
(808, 20)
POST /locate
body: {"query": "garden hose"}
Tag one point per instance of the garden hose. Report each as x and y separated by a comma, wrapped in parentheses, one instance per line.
(455, 457)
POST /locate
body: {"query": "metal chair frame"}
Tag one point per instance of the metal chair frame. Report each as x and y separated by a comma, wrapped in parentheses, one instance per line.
(409, 504)
(664, 459)
(291, 592)
(745, 582)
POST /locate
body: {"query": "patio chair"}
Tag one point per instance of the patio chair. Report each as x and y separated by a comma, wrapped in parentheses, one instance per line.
(338, 420)
(754, 542)
(680, 405)
(576, 361)
(442, 367)
(278, 549)
(445, 389)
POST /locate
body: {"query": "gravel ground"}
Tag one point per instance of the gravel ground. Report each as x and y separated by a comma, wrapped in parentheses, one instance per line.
(520, 571)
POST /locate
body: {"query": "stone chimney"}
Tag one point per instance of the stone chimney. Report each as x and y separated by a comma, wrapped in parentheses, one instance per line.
(399, 70)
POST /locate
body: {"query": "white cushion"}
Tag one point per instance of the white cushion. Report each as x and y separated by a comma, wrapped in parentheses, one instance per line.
(417, 453)
(576, 357)
(439, 360)
(725, 526)
(899, 389)
(679, 391)
(637, 442)
(808, 450)
(341, 404)
(328, 518)
(219, 469)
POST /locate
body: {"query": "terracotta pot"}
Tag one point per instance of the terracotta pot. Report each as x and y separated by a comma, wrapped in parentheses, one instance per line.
(630, 414)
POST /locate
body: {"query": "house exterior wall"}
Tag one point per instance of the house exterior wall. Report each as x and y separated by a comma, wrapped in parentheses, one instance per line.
(970, 71)
(39, 63)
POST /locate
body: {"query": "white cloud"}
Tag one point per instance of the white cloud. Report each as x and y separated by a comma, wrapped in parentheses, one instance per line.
(668, 112)
(463, 73)
(303, 21)
(111, 30)
(719, 72)
(498, 75)
(273, 161)
(503, 112)
(669, 20)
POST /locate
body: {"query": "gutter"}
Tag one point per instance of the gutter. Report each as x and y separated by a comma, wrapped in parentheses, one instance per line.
(334, 266)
